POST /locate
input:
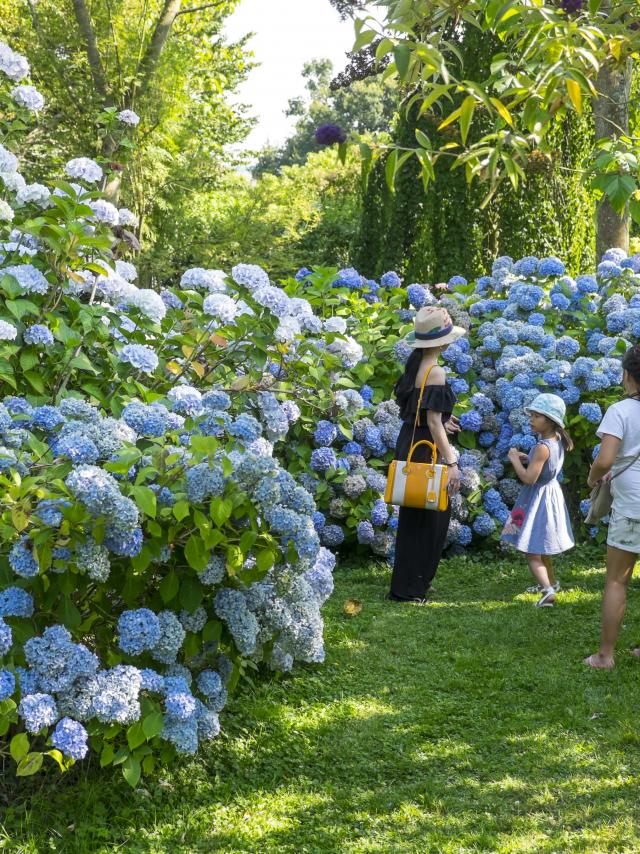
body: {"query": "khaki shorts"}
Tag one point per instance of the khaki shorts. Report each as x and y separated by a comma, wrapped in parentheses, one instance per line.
(624, 533)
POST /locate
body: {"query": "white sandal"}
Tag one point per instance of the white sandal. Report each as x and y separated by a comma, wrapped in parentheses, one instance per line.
(538, 588)
(548, 598)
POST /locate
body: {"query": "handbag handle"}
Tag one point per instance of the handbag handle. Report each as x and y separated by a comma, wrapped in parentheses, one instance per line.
(432, 445)
(422, 388)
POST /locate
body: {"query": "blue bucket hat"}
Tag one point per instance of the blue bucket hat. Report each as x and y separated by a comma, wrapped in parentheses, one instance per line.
(549, 405)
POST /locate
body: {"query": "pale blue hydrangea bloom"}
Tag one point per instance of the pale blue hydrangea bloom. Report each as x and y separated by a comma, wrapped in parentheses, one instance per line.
(38, 711)
(70, 737)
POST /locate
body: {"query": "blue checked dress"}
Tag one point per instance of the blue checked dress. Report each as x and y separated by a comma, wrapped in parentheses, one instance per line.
(539, 522)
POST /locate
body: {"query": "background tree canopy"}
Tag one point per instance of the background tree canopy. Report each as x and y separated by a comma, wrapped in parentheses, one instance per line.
(169, 63)
(201, 201)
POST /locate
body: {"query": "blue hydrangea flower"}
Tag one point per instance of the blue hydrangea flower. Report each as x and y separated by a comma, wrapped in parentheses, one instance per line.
(56, 661)
(7, 684)
(185, 400)
(332, 536)
(138, 631)
(246, 427)
(348, 278)
(459, 386)
(551, 266)
(365, 533)
(231, 606)
(152, 681)
(319, 520)
(560, 301)
(591, 411)
(471, 420)
(323, 459)
(39, 335)
(461, 534)
(526, 266)
(379, 513)
(170, 299)
(117, 695)
(180, 705)
(15, 602)
(609, 270)
(47, 418)
(587, 284)
(182, 734)
(172, 637)
(567, 348)
(70, 737)
(124, 541)
(216, 399)
(391, 280)
(38, 711)
(21, 558)
(77, 447)
(6, 637)
(483, 525)
(28, 277)
(418, 295)
(140, 356)
(204, 481)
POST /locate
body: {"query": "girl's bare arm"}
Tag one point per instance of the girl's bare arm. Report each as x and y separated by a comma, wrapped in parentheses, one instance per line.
(531, 473)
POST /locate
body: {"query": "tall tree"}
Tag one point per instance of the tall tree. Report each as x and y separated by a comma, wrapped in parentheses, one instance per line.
(552, 58)
(162, 59)
(166, 60)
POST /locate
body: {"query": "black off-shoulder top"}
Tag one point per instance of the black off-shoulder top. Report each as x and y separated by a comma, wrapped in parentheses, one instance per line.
(436, 398)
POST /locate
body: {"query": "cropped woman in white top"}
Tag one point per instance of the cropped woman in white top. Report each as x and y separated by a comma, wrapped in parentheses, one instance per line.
(620, 452)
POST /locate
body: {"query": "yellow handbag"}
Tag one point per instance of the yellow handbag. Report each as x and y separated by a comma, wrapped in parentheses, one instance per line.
(420, 485)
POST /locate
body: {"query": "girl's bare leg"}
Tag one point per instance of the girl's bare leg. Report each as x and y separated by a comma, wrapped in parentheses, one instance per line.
(548, 562)
(539, 570)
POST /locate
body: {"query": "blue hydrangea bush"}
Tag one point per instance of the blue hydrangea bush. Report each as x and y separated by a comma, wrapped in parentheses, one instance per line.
(154, 548)
(532, 328)
(179, 462)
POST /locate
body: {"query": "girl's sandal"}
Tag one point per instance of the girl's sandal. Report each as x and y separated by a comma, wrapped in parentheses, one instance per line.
(548, 598)
(635, 652)
(595, 662)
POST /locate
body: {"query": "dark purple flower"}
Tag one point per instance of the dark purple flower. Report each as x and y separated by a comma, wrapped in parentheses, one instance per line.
(571, 7)
(329, 134)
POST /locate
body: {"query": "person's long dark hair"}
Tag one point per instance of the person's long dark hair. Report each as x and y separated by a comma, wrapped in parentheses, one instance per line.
(631, 363)
(403, 389)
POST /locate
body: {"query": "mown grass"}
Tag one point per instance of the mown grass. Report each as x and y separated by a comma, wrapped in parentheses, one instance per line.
(465, 725)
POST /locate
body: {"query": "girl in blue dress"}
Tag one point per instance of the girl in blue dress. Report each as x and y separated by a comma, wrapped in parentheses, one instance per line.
(539, 523)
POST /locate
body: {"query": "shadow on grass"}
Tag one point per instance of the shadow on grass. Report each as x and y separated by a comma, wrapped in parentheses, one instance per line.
(467, 724)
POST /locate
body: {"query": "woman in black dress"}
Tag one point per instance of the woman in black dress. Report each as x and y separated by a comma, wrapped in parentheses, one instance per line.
(422, 533)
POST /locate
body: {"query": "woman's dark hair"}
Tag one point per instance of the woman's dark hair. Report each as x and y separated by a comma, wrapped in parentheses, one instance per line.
(631, 363)
(403, 389)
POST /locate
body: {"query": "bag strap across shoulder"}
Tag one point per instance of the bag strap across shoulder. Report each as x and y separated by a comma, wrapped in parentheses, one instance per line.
(626, 468)
(422, 388)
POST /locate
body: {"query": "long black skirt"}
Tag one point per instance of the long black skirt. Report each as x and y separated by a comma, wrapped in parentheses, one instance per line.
(421, 533)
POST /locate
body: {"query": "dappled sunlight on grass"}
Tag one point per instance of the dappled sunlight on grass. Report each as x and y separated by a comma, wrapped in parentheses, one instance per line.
(468, 724)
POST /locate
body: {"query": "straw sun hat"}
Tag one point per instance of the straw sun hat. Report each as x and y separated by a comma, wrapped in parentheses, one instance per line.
(434, 328)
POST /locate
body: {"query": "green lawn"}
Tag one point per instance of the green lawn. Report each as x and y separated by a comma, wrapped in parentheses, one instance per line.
(465, 725)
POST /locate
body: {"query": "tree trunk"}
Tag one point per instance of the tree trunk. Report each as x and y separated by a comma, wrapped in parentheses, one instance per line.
(85, 24)
(170, 11)
(611, 119)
